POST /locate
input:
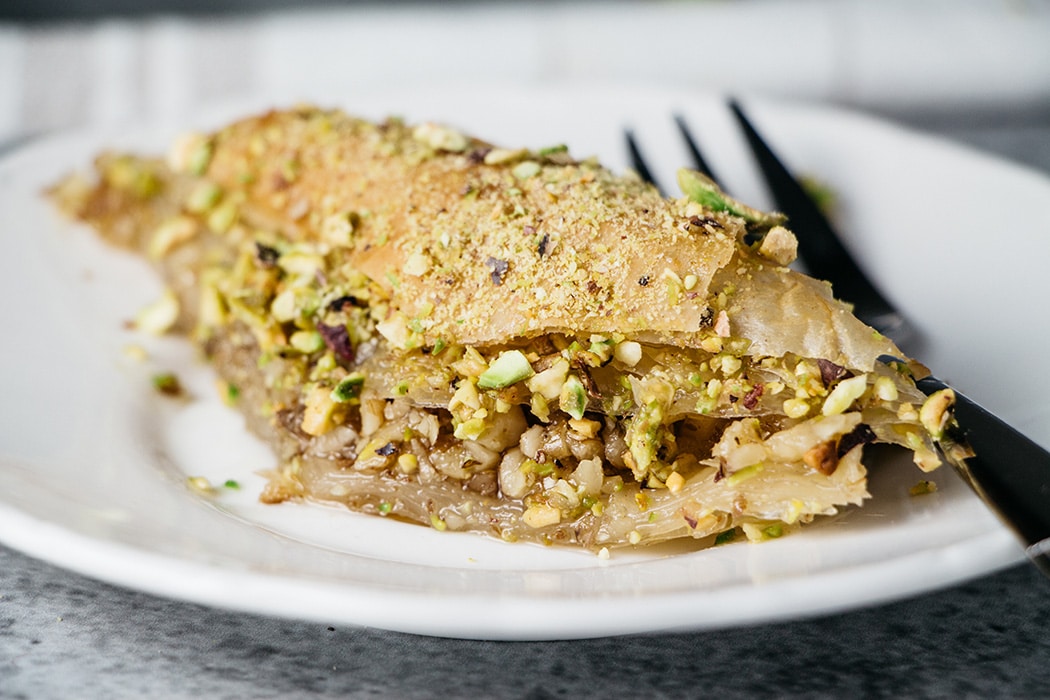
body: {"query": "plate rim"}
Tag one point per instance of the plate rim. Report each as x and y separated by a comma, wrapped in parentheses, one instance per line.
(461, 616)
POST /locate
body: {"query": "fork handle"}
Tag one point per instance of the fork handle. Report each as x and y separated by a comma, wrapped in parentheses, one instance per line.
(1009, 471)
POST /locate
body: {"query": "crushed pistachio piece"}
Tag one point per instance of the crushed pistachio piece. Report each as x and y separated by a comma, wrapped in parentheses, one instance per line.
(721, 326)
(200, 484)
(394, 329)
(885, 390)
(644, 436)
(170, 235)
(548, 383)
(509, 368)
(712, 343)
(923, 488)
(779, 245)
(417, 264)
(907, 413)
(307, 341)
(191, 153)
(338, 229)
(573, 397)
(844, 394)
(725, 536)
(704, 191)
(301, 263)
(159, 317)
(760, 532)
(293, 303)
(675, 482)
(408, 463)
(744, 474)
(319, 411)
(440, 138)
(730, 365)
(500, 156)
(584, 427)
(229, 393)
(203, 197)
(348, 388)
(539, 407)
(628, 352)
(936, 412)
(167, 383)
(470, 429)
(212, 308)
(601, 348)
(466, 395)
(541, 515)
(222, 218)
(526, 169)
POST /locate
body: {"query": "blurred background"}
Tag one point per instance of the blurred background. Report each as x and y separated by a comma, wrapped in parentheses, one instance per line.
(977, 69)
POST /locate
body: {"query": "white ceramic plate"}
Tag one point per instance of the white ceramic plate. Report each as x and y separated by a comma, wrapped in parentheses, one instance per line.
(93, 463)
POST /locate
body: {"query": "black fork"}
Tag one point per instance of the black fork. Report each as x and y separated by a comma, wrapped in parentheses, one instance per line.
(819, 246)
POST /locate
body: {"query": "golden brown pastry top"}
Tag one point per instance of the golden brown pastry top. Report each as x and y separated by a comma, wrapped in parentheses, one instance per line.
(476, 245)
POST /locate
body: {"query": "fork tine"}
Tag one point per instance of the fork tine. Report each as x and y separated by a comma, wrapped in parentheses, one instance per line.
(819, 245)
(637, 161)
(694, 150)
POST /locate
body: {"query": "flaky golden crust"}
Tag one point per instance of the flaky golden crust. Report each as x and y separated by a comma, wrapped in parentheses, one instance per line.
(477, 246)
